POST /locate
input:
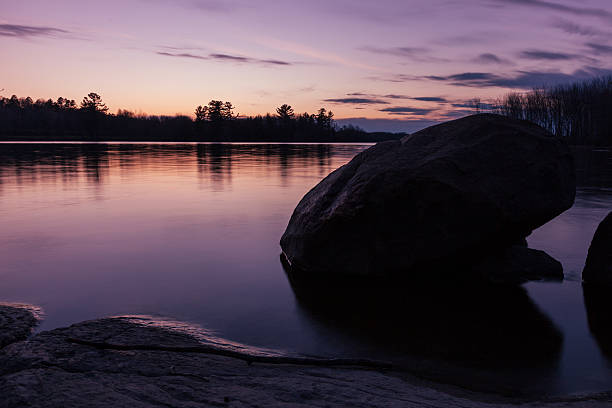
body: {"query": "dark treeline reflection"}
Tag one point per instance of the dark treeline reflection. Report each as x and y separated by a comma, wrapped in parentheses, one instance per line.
(26, 119)
(31, 162)
(579, 112)
(475, 329)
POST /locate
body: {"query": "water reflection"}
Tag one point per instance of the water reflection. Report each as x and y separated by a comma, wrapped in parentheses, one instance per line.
(50, 162)
(191, 231)
(472, 327)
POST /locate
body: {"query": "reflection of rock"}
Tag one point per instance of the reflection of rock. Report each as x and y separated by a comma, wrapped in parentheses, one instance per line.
(16, 322)
(598, 267)
(441, 196)
(487, 325)
(518, 264)
(598, 303)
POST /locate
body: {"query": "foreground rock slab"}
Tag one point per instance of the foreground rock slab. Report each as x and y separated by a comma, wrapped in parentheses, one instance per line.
(121, 362)
(598, 267)
(16, 322)
(434, 200)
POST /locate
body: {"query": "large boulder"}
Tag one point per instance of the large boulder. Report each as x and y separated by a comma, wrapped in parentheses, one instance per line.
(434, 200)
(598, 267)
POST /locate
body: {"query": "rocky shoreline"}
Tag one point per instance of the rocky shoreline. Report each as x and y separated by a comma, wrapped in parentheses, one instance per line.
(133, 362)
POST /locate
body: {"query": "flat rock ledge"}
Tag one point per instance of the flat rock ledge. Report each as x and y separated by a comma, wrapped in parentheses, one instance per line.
(126, 362)
(17, 322)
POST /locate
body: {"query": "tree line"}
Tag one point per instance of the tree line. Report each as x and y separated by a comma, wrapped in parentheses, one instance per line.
(581, 112)
(63, 119)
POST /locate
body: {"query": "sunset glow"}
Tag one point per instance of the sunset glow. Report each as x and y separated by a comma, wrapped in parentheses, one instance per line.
(400, 64)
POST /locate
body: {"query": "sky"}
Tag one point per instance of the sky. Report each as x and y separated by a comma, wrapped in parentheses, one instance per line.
(382, 65)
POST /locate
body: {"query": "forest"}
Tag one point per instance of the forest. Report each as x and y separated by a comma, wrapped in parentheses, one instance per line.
(580, 113)
(63, 119)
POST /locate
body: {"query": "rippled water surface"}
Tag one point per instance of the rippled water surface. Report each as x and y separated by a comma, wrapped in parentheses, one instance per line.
(191, 231)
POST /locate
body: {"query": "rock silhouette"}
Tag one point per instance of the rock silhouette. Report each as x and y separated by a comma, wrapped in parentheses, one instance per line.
(598, 267)
(433, 202)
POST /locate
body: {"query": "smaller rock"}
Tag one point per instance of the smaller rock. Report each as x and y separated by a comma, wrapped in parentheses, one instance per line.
(518, 264)
(16, 322)
(598, 268)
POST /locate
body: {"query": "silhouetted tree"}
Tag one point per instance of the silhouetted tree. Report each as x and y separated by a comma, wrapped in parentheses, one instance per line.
(228, 111)
(581, 112)
(285, 112)
(93, 103)
(201, 114)
(324, 119)
(45, 119)
(215, 111)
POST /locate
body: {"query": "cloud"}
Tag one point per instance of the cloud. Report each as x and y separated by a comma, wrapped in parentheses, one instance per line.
(546, 55)
(23, 31)
(407, 110)
(356, 101)
(222, 57)
(213, 6)
(226, 57)
(488, 58)
(430, 99)
(575, 29)
(274, 62)
(395, 96)
(181, 55)
(600, 48)
(554, 6)
(412, 53)
(520, 79)
(381, 98)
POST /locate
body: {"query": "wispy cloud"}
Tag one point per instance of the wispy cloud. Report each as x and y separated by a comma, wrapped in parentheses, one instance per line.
(181, 55)
(546, 55)
(600, 48)
(559, 7)
(213, 6)
(24, 31)
(438, 99)
(520, 79)
(572, 28)
(489, 58)
(430, 99)
(223, 57)
(356, 101)
(412, 53)
(407, 110)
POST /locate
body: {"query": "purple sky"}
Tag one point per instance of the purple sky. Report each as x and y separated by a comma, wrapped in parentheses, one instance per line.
(385, 65)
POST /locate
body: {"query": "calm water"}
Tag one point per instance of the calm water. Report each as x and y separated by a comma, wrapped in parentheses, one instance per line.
(190, 231)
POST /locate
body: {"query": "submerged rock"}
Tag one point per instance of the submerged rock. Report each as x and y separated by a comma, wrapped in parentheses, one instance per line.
(16, 322)
(434, 200)
(598, 267)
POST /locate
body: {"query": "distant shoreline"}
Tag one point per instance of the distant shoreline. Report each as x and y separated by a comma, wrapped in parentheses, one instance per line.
(369, 138)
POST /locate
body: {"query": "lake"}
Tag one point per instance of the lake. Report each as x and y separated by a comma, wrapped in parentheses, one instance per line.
(190, 232)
